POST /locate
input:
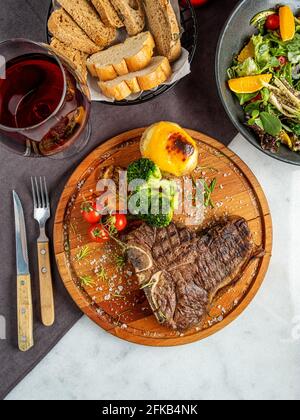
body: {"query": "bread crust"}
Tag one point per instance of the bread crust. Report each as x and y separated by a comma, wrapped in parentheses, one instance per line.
(162, 9)
(112, 71)
(118, 92)
(127, 64)
(88, 19)
(133, 17)
(108, 13)
(62, 27)
(75, 58)
(123, 87)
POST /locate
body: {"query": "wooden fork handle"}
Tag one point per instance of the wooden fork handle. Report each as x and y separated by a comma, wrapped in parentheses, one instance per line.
(25, 313)
(46, 286)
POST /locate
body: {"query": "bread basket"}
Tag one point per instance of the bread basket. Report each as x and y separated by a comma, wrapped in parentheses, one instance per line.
(189, 42)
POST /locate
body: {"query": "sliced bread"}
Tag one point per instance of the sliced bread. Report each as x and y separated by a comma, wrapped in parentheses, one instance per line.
(133, 55)
(164, 26)
(151, 77)
(88, 19)
(63, 27)
(108, 14)
(131, 12)
(75, 58)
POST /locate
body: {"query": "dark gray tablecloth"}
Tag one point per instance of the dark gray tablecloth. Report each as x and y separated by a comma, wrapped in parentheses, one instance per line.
(193, 103)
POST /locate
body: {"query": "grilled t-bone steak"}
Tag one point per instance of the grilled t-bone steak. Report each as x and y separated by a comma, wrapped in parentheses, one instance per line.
(182, 271)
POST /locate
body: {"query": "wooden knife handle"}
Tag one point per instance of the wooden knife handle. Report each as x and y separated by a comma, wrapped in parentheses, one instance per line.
(46, 287)
(25, 316)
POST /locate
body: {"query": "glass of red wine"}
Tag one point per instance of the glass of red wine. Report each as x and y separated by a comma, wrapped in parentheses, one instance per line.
(44, 103)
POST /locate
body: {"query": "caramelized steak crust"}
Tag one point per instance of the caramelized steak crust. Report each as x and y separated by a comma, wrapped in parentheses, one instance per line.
(182, 271)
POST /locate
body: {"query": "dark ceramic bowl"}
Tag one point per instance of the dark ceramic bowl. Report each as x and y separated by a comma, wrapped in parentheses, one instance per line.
(236, 31)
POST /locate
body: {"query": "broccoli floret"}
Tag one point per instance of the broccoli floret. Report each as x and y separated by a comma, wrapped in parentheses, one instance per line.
(163, 214)
(159, 220)
(143, 169)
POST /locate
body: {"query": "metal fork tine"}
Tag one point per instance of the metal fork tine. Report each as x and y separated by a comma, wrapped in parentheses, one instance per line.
(42, 194)
(46, 193)
(37, 193)
(33, 194)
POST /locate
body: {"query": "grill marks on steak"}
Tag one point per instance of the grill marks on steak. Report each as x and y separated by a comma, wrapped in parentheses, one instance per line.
(182, 271)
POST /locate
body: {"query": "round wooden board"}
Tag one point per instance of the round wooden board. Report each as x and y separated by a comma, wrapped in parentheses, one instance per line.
(114, 300)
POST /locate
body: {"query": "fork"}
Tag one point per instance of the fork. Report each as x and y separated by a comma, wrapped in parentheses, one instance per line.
(41, 215)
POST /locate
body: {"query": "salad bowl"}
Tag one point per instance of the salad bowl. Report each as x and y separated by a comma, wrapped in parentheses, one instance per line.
(235, 33)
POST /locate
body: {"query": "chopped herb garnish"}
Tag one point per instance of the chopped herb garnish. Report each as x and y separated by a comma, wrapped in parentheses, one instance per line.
(73, 228)
(86, 281)
(110, 226)
(83, 253)
(120, 261)
(102, 274)
(208, 191)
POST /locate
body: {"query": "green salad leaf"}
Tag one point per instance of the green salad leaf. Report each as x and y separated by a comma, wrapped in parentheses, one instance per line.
(247, 68)
(272, 124)
(293, 48)
(245, 97)
(262, 50)
(295, 128)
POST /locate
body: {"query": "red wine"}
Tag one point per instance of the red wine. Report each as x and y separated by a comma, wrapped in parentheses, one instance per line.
(31, 92)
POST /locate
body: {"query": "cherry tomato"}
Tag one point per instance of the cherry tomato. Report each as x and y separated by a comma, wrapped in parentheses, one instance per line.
(282, 60)
(90, 213)
(257, 98)
(98, 233)
(117, 221)
(272, 22)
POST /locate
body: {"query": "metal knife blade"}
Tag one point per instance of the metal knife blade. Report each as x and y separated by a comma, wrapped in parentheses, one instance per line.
(21, 239)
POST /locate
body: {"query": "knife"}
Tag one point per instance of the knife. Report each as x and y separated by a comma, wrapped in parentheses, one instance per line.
(24, 297)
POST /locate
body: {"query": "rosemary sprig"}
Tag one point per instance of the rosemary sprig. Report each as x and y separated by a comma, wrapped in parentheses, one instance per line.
(110, 226)
(86, 281)
(120, 261)
(102, 274)
(83, 253)
(73, 228)
(208, 191)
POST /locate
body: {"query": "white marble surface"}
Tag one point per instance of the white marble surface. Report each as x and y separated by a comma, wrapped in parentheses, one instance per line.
(256, 357)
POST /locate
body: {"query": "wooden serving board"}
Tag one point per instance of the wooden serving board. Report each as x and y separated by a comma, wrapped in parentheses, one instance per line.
(114, 299)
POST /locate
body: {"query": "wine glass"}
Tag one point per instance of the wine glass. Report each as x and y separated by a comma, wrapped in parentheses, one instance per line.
(44, 102)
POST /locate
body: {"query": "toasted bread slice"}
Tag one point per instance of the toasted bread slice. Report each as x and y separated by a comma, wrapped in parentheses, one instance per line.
(88, 19)
(164, 27)
(151, 77)
(133, 55)
(63, 27)
(108, 14)
(131, 12)
(76, 58)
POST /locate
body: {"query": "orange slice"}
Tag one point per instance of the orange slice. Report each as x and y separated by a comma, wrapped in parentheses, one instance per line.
(287, 23)
(249, 84)
(247, 52)
(285, 139)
